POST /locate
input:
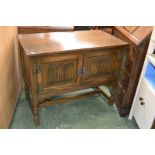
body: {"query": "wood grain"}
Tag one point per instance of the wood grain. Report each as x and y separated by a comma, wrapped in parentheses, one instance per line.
(56, 42)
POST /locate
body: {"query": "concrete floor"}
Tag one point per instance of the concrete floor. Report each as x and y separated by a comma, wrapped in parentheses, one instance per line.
(88, 113)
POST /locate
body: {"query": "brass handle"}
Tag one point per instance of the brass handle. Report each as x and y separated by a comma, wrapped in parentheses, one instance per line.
(84, 71)
(79, 71)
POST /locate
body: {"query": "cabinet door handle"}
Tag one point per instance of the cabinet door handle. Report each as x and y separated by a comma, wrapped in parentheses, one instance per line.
(79, 71)
(142, 103)
(141, 99)
(84, 71)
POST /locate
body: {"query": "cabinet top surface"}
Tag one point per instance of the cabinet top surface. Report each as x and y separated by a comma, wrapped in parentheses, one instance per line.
(57, 42)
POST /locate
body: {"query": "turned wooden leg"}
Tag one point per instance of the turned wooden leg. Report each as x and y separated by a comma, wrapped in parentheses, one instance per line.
(36, 115)
(34, 106)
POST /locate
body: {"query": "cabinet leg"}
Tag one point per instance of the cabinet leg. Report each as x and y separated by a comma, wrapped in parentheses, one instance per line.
(27, 95)
(111, 100)
(113, 91)
(36, 115)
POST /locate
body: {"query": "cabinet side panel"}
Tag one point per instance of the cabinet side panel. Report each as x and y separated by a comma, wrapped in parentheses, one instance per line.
(133, 66)
(137, 68)
(27, 68)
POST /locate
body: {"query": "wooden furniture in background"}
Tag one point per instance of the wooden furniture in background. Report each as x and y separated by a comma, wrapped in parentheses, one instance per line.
(10, 74)
(62, 62)
(138, 38)
(107, 29)
(43, 29)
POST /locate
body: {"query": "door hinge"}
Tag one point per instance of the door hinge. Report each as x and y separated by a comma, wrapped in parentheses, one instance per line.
(36, 68)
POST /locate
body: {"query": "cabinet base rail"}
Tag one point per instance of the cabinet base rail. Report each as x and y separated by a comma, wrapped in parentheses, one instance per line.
(51, 101)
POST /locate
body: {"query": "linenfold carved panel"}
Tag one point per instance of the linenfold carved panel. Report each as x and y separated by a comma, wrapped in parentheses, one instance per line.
(100, 66)
(60, 72)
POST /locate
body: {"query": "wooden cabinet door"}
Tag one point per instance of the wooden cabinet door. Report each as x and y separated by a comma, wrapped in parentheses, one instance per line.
(59, 73)
(101, 66)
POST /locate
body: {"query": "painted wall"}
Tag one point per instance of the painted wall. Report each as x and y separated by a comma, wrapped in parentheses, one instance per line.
(10, 75)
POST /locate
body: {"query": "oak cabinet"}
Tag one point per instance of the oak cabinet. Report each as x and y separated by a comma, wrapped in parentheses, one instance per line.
(62, 62)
